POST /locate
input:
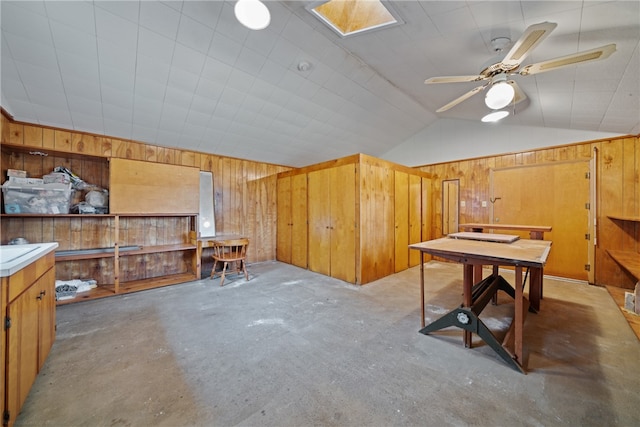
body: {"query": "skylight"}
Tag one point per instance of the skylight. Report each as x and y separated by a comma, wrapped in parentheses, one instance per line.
(352, 17)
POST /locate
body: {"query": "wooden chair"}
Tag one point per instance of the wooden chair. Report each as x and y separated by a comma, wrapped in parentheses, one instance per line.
(230, 251)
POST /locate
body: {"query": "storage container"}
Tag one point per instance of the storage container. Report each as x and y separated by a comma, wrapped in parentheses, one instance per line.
(54, 198)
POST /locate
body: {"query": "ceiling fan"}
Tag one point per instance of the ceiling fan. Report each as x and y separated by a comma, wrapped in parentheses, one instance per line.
(503, 90)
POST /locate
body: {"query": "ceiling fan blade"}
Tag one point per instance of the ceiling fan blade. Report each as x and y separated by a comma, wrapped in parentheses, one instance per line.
(596, 54)
(518, 95)
(454, 79)
(461, 98)
(531, 38)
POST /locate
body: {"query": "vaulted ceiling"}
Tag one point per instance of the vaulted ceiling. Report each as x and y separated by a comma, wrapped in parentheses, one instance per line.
(187, 74)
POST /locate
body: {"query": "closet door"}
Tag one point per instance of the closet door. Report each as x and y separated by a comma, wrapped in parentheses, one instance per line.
(299, 220)
(401, 218)
(284, 230)
(415, 217)
(342, 192)
(319, 214)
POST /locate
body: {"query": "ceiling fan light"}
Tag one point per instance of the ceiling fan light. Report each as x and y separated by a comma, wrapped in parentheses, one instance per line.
(253, 14)
(494, 116)
(499, 95)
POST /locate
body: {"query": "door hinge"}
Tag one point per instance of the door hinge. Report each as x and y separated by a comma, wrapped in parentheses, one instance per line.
(587, 205)
(587, 175)
(7, 323)
(587, 236)
(587, 267)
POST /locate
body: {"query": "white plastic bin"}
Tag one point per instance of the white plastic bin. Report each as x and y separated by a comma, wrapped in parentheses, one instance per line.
(53, 198)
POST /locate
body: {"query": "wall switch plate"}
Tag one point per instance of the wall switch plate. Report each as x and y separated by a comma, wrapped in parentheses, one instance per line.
(463, 203)
(484, 203)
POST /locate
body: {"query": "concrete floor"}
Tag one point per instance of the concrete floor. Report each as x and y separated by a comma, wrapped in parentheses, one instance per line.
(294, 348)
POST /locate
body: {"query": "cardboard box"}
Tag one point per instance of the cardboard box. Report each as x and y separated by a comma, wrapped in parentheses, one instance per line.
(36, 198)
(17, 173)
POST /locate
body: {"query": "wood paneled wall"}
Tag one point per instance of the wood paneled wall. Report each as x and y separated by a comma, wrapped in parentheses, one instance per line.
(617, 193)
(244, 191)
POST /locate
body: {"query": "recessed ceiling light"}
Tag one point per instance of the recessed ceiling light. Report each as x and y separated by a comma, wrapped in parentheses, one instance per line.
(253, 14)
(495, 116)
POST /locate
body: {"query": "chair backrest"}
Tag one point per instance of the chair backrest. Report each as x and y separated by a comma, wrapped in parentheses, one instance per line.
(230, 250)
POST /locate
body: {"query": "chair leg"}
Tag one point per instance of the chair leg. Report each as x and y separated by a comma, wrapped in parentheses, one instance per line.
(244, 268)
(224, 270)
(213, 272)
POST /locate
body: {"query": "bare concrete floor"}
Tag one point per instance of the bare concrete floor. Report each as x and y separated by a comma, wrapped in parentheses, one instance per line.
(294, 348)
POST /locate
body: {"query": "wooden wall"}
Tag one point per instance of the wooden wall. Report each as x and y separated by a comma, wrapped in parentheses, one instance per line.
(244, 191)
(617, 189)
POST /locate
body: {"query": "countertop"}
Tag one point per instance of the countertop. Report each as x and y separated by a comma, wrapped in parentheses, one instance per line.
(14, 258)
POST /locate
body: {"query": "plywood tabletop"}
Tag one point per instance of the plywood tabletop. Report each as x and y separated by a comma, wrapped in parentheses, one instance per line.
(520, 252)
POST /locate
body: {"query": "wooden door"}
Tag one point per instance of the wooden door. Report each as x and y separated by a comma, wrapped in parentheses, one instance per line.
(22, 345)
(319, 217)
(415, 217)
(299, 220)
(284, 221)
(376, 222)
(47, 316)
(550, 194)
(450, 202)
(401, 218)
(342, 191)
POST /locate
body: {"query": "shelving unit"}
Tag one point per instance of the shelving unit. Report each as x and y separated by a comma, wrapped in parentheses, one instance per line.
(628, 260)
(129, 247)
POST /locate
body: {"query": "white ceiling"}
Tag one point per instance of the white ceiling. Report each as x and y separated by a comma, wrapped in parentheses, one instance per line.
(187, 74)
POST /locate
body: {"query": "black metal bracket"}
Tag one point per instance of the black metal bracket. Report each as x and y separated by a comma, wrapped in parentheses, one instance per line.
(467, 318)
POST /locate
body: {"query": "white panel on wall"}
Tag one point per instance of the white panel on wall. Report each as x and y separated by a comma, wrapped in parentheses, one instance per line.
(206, 217)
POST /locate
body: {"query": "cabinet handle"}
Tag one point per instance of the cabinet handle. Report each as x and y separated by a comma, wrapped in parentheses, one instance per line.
(42, 293)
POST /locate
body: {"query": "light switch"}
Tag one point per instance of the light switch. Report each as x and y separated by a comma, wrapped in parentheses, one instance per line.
(484, 203)
(463, 203)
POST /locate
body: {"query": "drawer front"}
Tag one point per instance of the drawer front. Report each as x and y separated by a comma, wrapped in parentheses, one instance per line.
(23, 279)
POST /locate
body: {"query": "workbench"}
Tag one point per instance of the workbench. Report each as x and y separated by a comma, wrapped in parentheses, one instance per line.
(521, 253)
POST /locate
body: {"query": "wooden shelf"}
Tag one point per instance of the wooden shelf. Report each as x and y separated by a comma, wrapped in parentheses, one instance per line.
(104, 291)
(80, 256)
(109, 215)
(157, 249)
(628, 260)
(30, 215)
(625, 218)
(95, 293)
(633, 319)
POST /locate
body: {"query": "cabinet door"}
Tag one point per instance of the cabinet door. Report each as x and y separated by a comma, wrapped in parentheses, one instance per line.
(415, 217)
(342, 191)
(299, 220)
(47, 315)
(283, 232)
(319, 222)
(401, 215)
(22, 345)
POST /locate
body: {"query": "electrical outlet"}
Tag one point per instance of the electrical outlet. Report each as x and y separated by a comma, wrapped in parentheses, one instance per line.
(484, 203)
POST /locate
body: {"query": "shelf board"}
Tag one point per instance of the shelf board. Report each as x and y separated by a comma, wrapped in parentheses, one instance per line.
(95, 293)
(104, 291)
(77, 257)
(29, 215)
(633, 319)
(628, 260)
(625, 217)
(109, 215)
(92, 253)
(157, 249)
(156, 282)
